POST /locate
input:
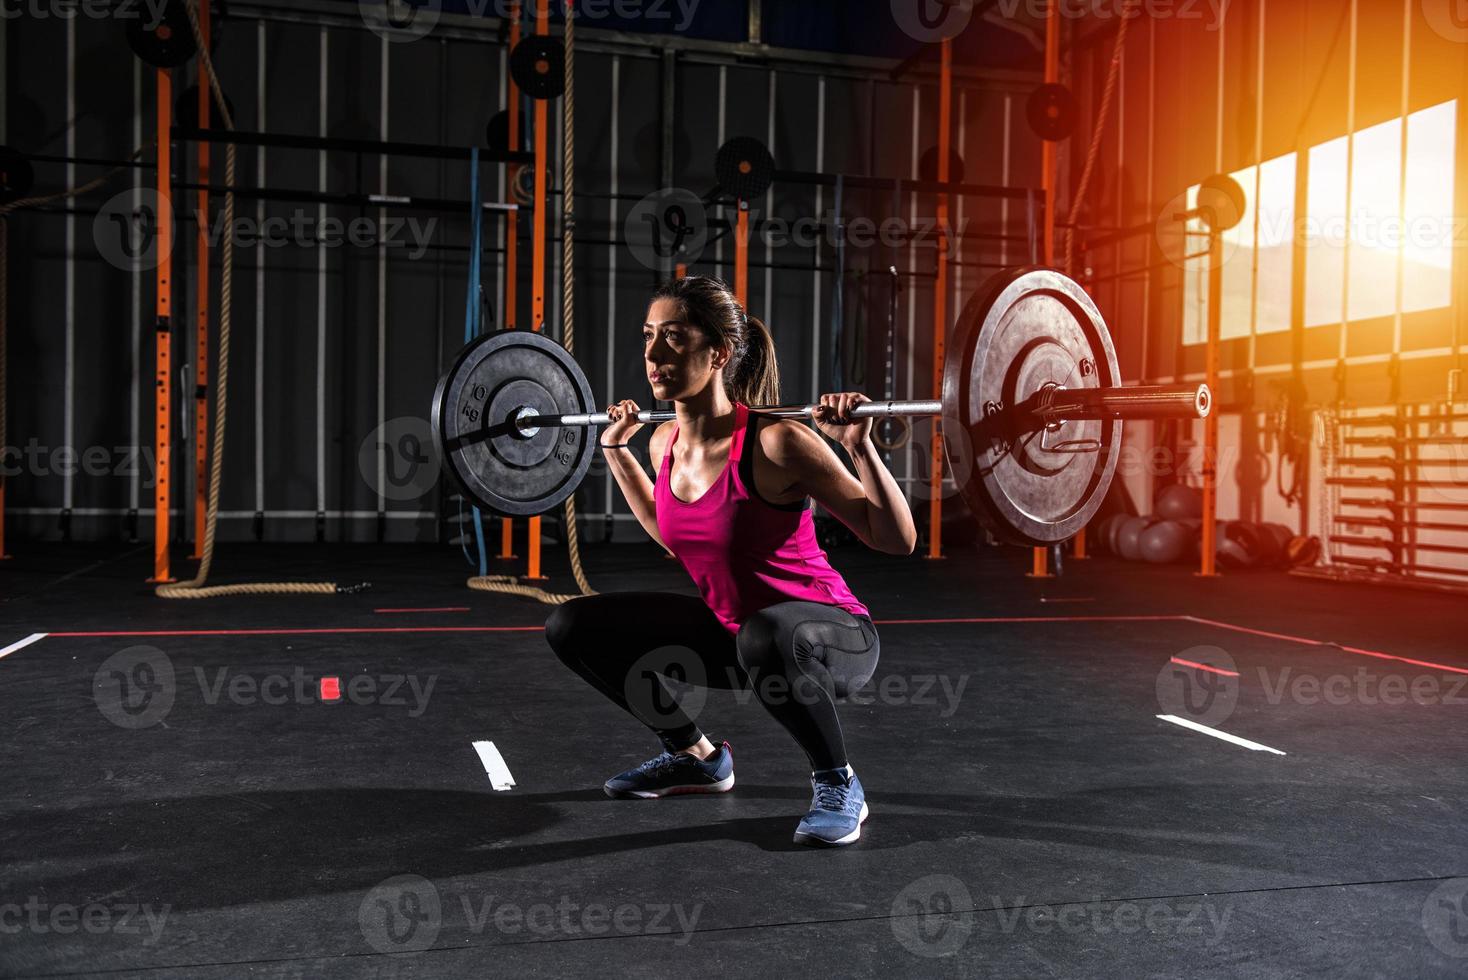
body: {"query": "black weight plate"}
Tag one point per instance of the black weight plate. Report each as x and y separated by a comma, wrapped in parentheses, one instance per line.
(497, 132)
(1051, 111)
(928, 165)
(744, 167)
(1221, 202)
(163, 39)
(492, 378)
(538, 66)
(16, 176)
(1028, 328)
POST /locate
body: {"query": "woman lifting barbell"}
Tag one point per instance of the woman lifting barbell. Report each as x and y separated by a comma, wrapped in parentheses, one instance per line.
(731, 503)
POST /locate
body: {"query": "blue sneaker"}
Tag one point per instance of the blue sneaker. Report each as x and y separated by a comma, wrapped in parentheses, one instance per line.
(672, 773)
(837, 811)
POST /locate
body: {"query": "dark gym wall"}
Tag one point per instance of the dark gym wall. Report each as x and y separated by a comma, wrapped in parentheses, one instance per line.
(296, 426)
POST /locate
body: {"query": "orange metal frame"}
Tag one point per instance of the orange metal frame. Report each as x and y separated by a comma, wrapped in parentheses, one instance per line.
(1207, 567)
(201, 306)
(1041, 558)
(512, 227)
(537, 246)
(741, 254)
(163, 389)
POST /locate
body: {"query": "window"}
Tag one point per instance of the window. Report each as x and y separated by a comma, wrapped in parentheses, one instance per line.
(1428, 244)
(1380, 230)
(1325, 256)
(1384, 229)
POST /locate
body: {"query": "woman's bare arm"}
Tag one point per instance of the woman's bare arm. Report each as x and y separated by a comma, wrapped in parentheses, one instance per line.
(870, 503)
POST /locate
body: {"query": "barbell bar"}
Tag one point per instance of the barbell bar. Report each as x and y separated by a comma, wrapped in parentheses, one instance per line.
(1052, 405)
(1031, 412)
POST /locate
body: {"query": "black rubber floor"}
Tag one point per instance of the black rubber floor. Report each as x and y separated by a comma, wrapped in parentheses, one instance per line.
(182, 797)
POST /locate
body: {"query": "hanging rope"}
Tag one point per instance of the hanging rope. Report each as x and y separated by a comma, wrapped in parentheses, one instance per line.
(194, 588)
(1095, 149)
(509, 583)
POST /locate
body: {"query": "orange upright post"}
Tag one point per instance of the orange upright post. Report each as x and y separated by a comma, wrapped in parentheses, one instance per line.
(741, 255)
(1208, 567)
(940, 300)
(163, 386)
(1041, 563)
(201, 307)
(512, 225)
(537, 245)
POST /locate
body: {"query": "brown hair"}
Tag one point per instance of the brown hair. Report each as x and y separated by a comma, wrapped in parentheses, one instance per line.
(751, 376)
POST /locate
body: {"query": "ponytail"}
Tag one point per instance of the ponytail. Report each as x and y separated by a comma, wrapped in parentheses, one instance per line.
(756, 378)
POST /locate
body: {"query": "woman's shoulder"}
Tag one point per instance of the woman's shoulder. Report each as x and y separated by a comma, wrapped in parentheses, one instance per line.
(658, 444)
(782, 440)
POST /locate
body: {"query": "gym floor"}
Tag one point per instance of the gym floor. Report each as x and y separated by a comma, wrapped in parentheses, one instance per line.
(185, 798)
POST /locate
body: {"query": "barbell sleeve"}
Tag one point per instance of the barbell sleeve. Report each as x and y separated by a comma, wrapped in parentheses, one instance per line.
(1052, 404)
(1135, 402)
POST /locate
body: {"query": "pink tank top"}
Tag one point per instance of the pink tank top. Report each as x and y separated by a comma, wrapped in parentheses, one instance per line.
(743, 553)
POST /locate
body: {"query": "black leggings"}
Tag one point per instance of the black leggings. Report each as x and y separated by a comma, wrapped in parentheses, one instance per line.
(797, 657)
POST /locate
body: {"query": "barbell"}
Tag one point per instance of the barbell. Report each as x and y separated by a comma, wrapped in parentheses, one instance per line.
(1031, 412)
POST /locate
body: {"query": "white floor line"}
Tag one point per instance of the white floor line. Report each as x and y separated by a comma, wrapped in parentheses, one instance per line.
(494, 766)
(1255, 746)
(23, 643)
